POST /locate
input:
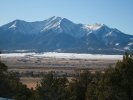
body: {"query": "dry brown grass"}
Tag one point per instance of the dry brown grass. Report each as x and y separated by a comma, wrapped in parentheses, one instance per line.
(69, 66)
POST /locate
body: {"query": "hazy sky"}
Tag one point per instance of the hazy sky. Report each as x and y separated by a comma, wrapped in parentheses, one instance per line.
(114, 13)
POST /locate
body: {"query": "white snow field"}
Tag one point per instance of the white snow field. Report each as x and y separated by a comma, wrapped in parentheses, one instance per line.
(64, 55)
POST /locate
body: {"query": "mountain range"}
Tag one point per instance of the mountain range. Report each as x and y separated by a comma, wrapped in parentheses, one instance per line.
(62, 35)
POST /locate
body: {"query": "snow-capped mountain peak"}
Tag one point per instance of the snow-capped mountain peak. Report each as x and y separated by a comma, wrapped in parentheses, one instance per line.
(9, 26)
(53, 22)
(55, 18)
(94, 26)
(61, 33)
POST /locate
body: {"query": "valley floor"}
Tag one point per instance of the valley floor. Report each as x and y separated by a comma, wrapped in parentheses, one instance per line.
(32, 67)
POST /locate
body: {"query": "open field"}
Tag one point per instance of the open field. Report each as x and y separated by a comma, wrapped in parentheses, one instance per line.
(46, 64)
(33, 66)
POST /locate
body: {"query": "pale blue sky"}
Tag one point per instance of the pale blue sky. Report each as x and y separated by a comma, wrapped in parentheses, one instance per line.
(114, 13)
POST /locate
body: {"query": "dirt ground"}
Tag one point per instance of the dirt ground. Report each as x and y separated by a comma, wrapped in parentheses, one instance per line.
(30, 82)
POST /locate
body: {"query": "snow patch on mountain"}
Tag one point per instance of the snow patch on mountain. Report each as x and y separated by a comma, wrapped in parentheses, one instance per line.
(52, 23)
(129, 44)
(127, 48)
(109, 34)
(93, 27)
(13, 25)
(117, 44)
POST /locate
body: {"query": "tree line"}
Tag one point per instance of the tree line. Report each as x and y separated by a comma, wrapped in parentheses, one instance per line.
(114, 84)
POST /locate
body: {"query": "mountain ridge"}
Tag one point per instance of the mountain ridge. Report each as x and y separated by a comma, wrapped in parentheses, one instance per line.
(61, 34)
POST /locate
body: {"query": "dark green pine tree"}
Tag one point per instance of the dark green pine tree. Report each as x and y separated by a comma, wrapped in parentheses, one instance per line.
(78, 86)
(10, 85)
(117, 83)
(53, 88)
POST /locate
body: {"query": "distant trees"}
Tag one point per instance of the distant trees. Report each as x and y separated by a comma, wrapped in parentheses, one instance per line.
(114, 84)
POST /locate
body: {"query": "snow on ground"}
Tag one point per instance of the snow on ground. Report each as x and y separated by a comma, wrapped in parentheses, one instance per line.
(5, 98)
(64, 55)
(16, 54)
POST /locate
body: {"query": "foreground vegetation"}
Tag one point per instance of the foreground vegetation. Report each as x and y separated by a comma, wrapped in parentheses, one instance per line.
(114, 84)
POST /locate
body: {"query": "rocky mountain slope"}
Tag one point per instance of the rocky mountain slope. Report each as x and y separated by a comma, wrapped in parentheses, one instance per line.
(61, 34)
